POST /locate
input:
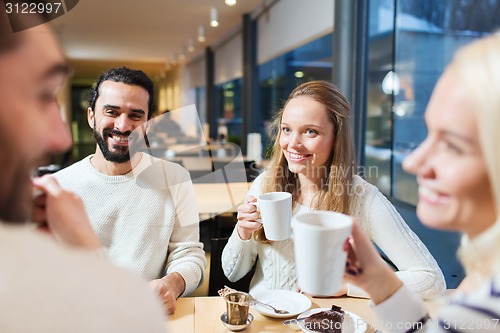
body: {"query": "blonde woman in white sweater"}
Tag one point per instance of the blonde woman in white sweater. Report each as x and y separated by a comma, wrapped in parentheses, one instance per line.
(313, 159)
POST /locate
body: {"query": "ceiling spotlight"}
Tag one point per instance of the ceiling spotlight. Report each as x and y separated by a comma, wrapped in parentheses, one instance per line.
(191, 45)
(201, 34)
(230, 2)
(214, 17)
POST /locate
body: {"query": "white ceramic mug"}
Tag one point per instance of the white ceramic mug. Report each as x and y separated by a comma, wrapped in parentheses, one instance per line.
(320, 259)
(276, 214)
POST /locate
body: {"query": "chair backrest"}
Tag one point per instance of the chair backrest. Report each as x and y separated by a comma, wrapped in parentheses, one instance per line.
(252, 170)
(217, 279)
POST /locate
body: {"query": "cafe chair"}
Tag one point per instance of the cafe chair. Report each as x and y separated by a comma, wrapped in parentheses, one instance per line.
(252, 170)
(217, 280)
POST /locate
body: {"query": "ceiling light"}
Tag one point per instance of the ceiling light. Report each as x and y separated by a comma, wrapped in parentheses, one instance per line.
(214, 17)
(230, 2)
(201, 34)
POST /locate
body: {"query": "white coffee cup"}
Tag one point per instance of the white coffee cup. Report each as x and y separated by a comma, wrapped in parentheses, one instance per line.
(319, 239)
(275, 213)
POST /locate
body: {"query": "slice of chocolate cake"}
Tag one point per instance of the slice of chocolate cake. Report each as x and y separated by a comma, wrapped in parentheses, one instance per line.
(329, 321)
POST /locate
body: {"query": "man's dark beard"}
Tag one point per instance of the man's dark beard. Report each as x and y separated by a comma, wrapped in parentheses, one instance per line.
(16, 200)
(121, 156)
(16, 190)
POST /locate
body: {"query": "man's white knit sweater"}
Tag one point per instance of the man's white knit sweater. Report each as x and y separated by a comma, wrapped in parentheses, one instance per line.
(276, 261)
(48, 287)
(147, 218)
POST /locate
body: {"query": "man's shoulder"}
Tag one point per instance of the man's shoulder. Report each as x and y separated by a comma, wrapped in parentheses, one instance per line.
(39, 250)
(53, 278)
(69, 172)
(171, 169)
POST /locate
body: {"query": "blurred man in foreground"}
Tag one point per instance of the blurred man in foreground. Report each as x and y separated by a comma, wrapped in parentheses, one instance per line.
(62, 282)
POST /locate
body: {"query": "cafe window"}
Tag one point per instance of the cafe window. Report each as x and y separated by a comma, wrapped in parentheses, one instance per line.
(84, 143)
(279, 76)
(410, 43)
(228, 108)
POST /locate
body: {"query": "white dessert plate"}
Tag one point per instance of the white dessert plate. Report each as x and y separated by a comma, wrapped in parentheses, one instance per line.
(352, 322)
(291, 301)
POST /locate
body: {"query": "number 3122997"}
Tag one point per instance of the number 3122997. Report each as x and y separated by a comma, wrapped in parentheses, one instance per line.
(470, 324)
(33, 8)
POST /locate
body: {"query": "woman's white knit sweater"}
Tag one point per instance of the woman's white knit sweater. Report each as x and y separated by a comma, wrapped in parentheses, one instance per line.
(379, 219)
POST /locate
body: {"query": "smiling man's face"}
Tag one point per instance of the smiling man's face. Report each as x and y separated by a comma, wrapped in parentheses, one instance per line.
(119, 109)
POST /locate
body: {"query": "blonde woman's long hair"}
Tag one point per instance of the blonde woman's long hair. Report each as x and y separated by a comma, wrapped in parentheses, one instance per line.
(478, 66)
(334, 191)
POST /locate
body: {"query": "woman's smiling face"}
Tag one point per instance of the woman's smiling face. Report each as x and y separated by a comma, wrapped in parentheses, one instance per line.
(307, 136)
(454, 188)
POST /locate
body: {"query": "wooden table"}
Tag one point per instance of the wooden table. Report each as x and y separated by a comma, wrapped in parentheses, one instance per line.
(201, 315)
(217, 198)
(195, 148)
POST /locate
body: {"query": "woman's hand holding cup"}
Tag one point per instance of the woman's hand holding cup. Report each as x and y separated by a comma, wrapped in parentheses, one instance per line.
(272, 211)
(247, 219)
(366, 268)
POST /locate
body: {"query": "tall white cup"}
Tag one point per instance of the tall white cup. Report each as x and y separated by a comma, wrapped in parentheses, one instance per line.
(319, 239)
(275, 213)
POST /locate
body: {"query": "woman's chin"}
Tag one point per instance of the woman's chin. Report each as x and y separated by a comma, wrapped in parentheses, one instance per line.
(434, 219)
(296, 169)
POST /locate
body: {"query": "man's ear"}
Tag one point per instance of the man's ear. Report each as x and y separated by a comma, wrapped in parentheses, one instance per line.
(90, 117)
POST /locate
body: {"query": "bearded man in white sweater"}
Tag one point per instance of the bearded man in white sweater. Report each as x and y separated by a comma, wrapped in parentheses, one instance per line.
(141, 207)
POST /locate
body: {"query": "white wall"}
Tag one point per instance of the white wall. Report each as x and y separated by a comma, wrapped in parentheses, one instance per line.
(197, 73)
(290, 24)
(229, 60)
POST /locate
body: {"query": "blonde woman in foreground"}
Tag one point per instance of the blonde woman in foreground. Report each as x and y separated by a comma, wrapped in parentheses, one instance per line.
(458, 172)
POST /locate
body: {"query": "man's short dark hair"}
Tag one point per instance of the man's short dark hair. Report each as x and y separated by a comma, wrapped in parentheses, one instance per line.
(127, 76)
(8, 39)
(15, 22)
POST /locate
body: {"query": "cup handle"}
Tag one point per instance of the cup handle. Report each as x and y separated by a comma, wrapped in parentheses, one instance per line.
(256, 204)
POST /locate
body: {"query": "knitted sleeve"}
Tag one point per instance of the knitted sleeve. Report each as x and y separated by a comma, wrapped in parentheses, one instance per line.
(238, 256)
(417, 268)
(474, 312)
(185, 251)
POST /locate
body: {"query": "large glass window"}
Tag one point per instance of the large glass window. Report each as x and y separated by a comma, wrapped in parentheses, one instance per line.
(410, 43)
(228, 108)
(279, 76)
(84, 143)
